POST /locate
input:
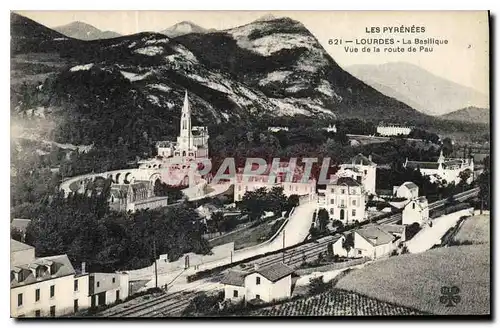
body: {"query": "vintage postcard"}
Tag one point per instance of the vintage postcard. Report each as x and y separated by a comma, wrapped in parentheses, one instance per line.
(250, 164)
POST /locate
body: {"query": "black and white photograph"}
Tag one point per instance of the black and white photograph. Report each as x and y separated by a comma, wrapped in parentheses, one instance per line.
(241, 164)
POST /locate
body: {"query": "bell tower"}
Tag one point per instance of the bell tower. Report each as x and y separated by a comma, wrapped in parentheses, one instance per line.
(185, 139)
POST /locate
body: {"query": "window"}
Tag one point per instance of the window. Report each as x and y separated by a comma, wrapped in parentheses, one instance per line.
(37, 294)
(366, 172)
(114, 280)
(353, 191)
(353, 212)
(52, 291)
(98, 284)
(75, 306)
(413, 205)
(75, 285)
(257, 281)
(235, 293)
(333, 190)
(37, 313)
(117, 294)
(353, 202)
(342, 203)
(331, 211)
(359, 252)
(53, 311)
(19, 299)
(332, 201)
(257, 296)
(342, 191)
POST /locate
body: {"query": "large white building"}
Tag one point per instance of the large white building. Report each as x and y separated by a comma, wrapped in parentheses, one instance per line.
(345, 200)
(247, 182)
(393, 130)
(444, 169)
(44, 286)
(361, 169)
(108, 288)
(266, 284)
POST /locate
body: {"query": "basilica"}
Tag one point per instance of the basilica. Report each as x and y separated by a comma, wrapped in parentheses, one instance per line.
(191, 144)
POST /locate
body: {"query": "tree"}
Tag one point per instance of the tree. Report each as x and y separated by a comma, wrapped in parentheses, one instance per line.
(317, 285)
(323, 219)
(348, 243)
(447, 147)
(293, 201)
(217, 218)
(16, 234)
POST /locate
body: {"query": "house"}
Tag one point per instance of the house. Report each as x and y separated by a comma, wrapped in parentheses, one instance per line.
(107, 288)
(445, 169)
(345, 200)
(44, 286)
(417, 210)
(408, 190)
(266, 284)
(361, 169)
(373, 241)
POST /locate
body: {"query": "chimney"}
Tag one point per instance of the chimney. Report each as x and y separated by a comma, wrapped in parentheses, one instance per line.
(370, 157)
(83, 267)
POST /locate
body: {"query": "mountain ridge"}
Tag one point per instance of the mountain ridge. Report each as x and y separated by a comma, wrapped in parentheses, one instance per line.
(426, 91)
(267, 68)
(469, 114)
(83, 31)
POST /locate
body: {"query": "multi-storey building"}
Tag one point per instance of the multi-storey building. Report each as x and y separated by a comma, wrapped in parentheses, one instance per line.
(295, 185)
(44, 286)
(363, 170)
(393, 130)
(345, 200)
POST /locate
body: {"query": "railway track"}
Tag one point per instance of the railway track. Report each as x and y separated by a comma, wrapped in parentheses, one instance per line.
(174, 303)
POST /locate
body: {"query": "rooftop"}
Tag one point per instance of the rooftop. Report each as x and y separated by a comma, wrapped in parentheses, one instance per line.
(347, 181)
(275, 272)
(61, 265)
(361, 159)
(16, 246)
(375, 235)
(410, 185)
(422, 165)
(235, 278)
(20, 224)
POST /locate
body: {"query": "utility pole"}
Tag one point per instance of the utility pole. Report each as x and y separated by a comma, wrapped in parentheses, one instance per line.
(156, 268)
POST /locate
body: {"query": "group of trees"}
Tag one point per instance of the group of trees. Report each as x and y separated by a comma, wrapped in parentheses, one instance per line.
(85, 229)
(261, 200)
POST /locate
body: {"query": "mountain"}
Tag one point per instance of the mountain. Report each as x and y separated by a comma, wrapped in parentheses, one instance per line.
(83, 31)
(132, 87)
(469, 114)
(419, 88)
(281, 58)
(183, 28)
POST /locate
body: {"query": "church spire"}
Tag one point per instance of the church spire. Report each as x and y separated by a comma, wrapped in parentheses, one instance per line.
(186, 119)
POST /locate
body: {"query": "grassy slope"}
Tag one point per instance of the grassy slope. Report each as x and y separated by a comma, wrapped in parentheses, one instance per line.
(246, 237)
(415, 280)
(475, 229)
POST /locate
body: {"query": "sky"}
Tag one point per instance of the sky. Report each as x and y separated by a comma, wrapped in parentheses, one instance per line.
(464, 60)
